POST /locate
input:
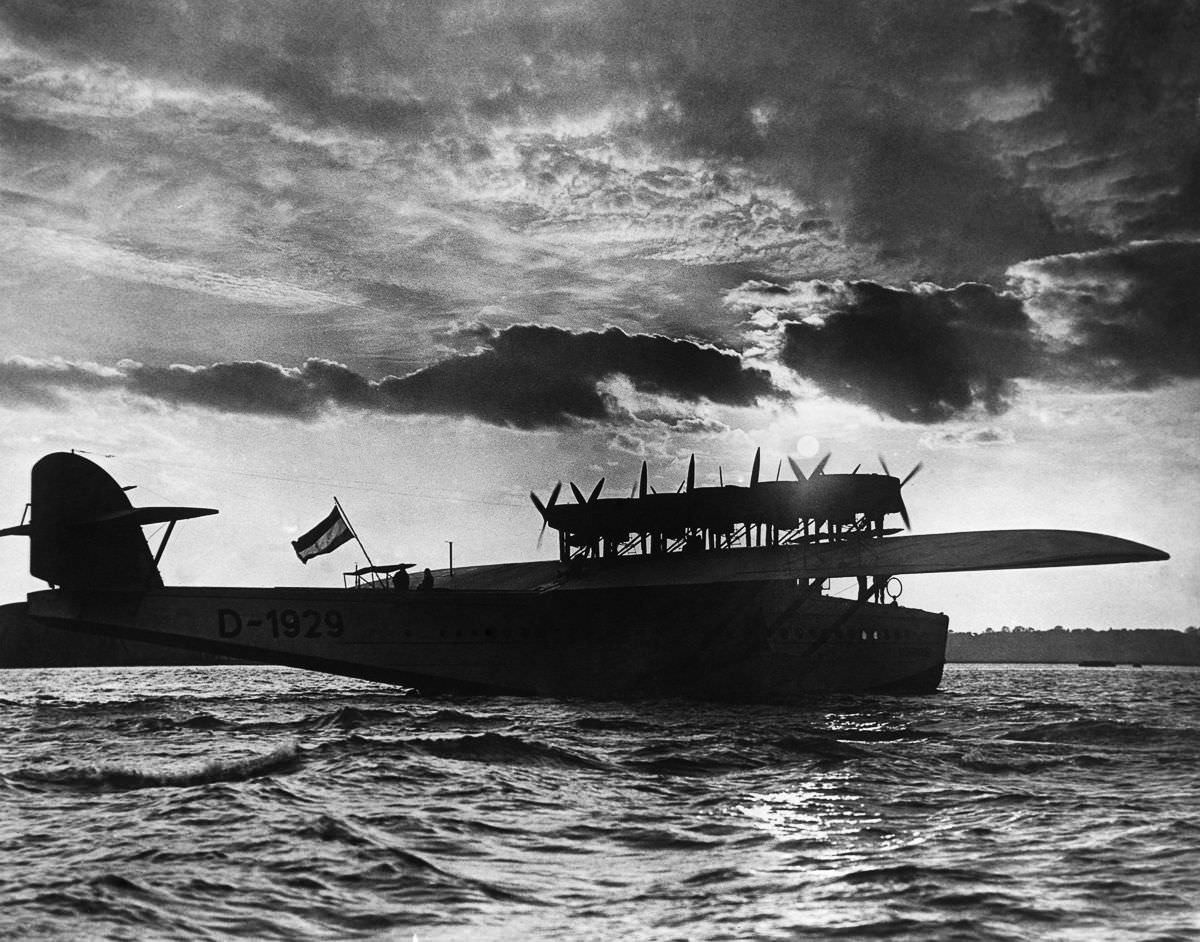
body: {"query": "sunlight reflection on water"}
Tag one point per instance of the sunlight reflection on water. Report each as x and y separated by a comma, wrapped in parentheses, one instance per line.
(1022, 803)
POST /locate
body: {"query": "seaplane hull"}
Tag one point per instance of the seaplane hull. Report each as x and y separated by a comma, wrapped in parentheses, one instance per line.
(765, 642)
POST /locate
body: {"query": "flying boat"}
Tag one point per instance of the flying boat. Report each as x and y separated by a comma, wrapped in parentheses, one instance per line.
(770, 591)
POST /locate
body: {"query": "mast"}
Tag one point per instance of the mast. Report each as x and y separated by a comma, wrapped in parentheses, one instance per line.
(353, 532)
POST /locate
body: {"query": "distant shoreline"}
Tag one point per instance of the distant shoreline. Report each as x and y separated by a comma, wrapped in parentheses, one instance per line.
(1061, 646)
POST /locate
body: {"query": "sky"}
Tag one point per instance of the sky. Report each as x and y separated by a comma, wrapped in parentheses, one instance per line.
(428, 256)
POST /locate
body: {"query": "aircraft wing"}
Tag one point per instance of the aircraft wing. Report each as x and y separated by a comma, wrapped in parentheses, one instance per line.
(890, 556)
(970, 552)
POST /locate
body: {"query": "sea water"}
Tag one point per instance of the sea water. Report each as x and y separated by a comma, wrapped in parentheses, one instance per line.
(1020, 802)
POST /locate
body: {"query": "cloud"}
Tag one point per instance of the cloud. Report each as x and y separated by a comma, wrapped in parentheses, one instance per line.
(954, 136)
(534, 376)
(525, 377)
(942, 139)
(253, 387)
(302, 88)
(1122, 317)
(923, 354)
(26, 381)
(967, 438)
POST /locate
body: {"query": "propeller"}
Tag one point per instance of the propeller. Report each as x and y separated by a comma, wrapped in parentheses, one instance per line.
(820, 468)
(642, 482)
(754, 467)
(580, 499)
(688, 484)
(795, 465)
(908, 477)
(545, 508)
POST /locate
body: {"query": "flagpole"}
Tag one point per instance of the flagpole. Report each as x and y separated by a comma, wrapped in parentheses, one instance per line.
(354, 534)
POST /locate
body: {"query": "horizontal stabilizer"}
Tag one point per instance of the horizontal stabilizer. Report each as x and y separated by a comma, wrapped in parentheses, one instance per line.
(143, 516)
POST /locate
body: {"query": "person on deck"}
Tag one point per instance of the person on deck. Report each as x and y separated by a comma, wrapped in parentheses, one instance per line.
(426, 581)
(400, 580)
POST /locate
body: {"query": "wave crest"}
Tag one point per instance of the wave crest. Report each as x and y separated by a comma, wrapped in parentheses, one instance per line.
(122, 778)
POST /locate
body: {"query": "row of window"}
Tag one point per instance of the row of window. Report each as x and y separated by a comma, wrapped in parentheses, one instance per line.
(847, 634)
(784, 634)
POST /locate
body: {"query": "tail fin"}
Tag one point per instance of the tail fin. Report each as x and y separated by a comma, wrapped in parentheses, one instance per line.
(83, 531)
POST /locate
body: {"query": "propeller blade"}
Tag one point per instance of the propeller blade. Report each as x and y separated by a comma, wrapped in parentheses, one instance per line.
(820, 468)
(720, 476)
(883, 464)
(691, 478)
(642, 484)
(579, 498)
(596, 490)
(908, 477)
(543, 509)
(778, 469)
(796, 469)
(754, 467)
(856, 467)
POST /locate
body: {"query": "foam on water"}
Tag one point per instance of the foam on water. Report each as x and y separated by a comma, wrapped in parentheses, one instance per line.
(1020, 803)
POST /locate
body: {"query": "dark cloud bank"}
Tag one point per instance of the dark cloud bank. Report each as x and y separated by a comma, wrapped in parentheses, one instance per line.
(1117, 319)
(525, 377)
(918, 356)
(1134, 313)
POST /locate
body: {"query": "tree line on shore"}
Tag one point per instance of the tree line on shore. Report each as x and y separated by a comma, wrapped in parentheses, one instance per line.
(1061, 645)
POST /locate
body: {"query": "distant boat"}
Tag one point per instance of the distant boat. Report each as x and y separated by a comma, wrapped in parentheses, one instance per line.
(707, 592)
(1097, 663)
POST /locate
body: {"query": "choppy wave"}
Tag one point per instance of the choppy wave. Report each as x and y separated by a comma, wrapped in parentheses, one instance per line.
(119, 776)
(279, 806)
(499, 748)
(1102, 732)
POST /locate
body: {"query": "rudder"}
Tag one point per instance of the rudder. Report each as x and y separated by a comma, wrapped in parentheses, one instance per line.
(85, 534)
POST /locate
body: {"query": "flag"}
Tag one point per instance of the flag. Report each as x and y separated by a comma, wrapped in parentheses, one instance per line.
(325, 537)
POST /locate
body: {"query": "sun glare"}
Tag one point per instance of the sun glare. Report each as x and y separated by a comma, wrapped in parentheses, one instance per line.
(807, 446)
